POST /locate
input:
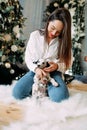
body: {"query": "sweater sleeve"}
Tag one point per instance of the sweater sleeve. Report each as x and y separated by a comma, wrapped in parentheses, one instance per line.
(30, 53)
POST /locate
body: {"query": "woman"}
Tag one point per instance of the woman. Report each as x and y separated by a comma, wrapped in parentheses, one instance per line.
(53, 43)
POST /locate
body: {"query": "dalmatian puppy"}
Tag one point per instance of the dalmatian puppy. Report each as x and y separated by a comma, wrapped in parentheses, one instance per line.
(40, 85)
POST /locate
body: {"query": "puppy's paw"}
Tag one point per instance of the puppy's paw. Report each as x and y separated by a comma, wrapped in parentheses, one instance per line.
(56, 84)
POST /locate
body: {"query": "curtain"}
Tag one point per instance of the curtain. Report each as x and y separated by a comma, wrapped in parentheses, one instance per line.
(33, 11)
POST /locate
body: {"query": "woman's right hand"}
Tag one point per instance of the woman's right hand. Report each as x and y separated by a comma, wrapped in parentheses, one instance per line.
(40, 73)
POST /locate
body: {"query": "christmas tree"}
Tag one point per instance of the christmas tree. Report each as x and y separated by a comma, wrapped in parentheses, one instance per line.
(12, 45)
(76, 9)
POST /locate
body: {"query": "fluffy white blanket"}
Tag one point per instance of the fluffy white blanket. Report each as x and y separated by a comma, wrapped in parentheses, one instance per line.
(44, 114)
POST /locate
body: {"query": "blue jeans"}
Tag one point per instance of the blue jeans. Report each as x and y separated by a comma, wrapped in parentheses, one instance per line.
(23, 87)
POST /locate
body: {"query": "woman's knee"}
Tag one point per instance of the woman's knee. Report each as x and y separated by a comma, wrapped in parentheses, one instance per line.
(16, 93)
(58, 94)
(23, 87)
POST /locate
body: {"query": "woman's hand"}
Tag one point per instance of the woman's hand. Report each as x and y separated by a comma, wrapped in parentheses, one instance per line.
(40, 73)
(53, 66)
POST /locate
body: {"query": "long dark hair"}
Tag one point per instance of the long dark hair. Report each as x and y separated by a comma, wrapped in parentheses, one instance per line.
(64, 49)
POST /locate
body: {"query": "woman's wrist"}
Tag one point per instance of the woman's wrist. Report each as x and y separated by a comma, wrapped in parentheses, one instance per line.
(36, 69)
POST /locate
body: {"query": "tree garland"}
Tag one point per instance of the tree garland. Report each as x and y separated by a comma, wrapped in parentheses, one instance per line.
(12, 45)
(76, 9)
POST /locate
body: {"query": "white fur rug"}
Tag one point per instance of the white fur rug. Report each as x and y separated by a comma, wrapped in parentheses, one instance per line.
(44, 114)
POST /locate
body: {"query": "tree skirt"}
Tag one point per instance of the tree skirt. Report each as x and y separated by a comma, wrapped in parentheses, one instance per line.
(42, 114)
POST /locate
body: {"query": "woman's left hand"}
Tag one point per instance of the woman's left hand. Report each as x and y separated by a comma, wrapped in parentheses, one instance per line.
(53, 66)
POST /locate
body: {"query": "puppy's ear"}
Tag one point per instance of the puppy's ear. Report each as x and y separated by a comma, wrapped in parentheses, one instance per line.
(47, 64)
(35, 62)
